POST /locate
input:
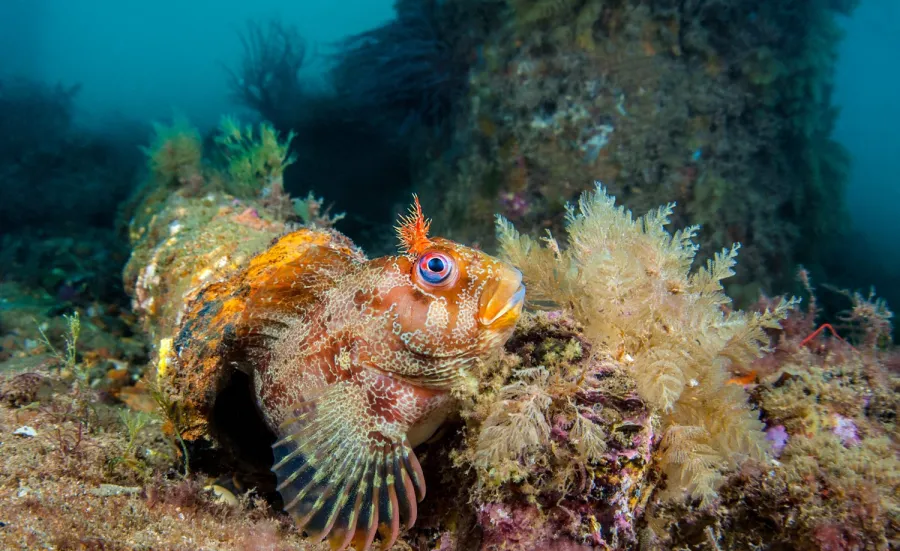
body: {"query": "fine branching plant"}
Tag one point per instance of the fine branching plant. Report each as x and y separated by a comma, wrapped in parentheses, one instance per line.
(311, 212)
(256, 159)
(134, 422)
(175, 154)
(268, 79)
(630, 283)
(68, 357)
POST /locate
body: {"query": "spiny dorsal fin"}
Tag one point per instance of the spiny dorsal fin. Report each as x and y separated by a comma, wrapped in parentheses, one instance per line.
(296, 269)
(344, 474)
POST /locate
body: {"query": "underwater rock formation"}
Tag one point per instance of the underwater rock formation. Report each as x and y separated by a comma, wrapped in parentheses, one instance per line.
(709, 104)
(560, 442)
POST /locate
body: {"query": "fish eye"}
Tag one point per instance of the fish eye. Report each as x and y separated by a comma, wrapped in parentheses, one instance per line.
(435, 268)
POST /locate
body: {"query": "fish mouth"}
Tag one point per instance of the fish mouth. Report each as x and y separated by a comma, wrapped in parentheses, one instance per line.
(506, 301)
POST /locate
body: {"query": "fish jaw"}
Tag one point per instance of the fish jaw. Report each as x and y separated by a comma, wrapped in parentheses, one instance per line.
(503, 300)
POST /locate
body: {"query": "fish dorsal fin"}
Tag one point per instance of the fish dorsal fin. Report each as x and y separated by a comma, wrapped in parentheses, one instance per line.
(343, 471)
(227, 320)
(294, 271)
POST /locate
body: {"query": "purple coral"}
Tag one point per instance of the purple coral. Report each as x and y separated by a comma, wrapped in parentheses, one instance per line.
(845, 429)
(521, 527)
(515, 205)
(778, 437)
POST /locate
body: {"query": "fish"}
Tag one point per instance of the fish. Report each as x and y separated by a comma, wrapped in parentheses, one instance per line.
(353, 361)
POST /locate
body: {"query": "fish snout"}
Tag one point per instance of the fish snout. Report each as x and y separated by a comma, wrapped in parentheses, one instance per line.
(502, 302)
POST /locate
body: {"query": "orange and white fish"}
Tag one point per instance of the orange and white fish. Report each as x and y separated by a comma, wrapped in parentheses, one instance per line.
(352, 363)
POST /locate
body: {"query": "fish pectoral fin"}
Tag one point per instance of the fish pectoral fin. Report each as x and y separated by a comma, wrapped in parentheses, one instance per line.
(344, 473)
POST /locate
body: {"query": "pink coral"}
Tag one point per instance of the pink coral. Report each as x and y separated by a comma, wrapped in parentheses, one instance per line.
(515, 205)
(520, 528)
(778, 437)
(845, 429)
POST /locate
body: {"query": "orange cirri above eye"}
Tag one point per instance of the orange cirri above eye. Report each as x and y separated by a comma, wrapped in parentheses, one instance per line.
(435, 269)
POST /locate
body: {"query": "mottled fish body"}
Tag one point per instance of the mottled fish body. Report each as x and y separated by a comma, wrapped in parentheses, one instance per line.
(353, 361)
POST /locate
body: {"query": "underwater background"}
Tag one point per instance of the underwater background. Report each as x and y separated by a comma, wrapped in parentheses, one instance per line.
(718, 373)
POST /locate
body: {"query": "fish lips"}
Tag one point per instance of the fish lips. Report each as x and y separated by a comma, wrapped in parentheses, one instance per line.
(503, 302)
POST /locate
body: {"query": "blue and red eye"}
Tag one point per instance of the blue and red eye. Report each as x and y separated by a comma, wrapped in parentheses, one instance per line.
(435, 268)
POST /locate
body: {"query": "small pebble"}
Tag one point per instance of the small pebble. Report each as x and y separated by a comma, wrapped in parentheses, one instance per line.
(106, 490)
(25, 431)
(223, 495)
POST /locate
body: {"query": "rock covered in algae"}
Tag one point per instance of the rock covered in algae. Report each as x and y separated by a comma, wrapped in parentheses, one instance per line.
(185, 242)
(637, 94)
(560, 442)
(830, 410)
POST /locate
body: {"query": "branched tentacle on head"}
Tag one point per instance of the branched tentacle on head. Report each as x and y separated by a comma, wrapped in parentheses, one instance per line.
(413, 230)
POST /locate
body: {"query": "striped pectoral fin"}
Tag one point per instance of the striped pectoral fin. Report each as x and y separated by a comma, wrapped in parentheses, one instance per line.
(342, 478)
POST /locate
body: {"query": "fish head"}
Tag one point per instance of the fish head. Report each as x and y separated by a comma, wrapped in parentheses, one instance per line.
(456, 303)
(444, 305)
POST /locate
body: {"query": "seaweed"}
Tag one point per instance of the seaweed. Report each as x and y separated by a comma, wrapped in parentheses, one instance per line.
(629, 282)
(833, 480)
(410, 72)
(175, 154)
(268, 79)
(255, 160)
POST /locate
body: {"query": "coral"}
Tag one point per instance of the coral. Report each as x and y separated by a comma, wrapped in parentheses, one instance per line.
(629, 282)
(832, 410)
